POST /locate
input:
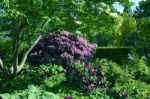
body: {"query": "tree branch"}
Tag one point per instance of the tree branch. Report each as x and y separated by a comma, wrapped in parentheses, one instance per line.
(26, 54)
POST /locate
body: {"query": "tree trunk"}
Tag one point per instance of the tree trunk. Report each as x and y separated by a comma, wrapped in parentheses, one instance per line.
(15, 55)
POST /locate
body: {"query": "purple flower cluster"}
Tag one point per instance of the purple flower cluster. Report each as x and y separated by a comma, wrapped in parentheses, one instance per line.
(62, 48)
(92, 79)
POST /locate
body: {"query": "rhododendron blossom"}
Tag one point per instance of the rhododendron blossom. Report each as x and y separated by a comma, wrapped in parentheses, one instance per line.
(61, 45)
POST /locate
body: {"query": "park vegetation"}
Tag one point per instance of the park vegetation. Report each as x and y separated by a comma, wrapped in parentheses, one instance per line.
(74, 49)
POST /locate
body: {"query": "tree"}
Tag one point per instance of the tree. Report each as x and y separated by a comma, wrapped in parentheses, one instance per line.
(144, 28)
(14, 23)
(129, 25)
(143, 10)
(142, 13)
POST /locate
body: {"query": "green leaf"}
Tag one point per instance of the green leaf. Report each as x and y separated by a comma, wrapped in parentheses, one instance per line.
(32, 96)
(5, 96)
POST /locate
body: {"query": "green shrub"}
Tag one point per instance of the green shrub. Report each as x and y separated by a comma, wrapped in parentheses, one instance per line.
(127, 81)
(133, 89)
(139, 69)
(54, 80)
(113, 72)
(47, 75)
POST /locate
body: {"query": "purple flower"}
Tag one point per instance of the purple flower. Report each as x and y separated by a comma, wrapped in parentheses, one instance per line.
(65, 33)
(68, 97)
(80, 39)
(65, 55)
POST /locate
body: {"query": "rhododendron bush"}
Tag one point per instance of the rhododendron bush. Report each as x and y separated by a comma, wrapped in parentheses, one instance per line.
(63, 48)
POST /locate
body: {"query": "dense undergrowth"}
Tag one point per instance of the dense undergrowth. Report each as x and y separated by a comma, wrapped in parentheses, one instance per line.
(127, 81)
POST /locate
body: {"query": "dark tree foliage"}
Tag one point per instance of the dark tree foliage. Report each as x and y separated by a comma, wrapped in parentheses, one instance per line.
(143, 10)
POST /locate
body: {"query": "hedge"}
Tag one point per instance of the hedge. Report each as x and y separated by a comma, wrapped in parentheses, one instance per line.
(116, 54)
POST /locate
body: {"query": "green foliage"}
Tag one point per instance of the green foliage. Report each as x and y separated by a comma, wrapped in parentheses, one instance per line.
(66, 90)
(135, 40)
(128, 25)
(139, 69)
(144, 28)
(113, 72)
(104, 39)
(143, 16)
(53, 15)
(47, 75)
(4, 45)
(143, 9)
(148, 58)
(135, 89)
(32, 92)
(127, 81)
(117, 54)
